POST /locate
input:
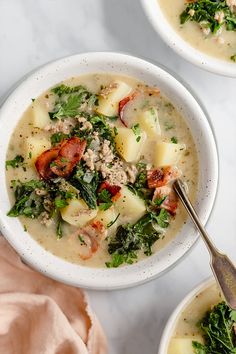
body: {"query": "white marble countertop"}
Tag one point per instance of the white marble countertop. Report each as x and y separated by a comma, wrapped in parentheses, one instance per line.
(35, 32)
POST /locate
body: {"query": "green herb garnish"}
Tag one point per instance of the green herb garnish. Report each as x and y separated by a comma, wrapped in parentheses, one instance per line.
(174, 140)
(70, 99)
(233, 58)
(113, 221)
(59, 229)
(168, 126)
(137, 131)
(82, 242)
(163, 219)
(56, 138)
(60, 203)
(105, 201)
(16, 162)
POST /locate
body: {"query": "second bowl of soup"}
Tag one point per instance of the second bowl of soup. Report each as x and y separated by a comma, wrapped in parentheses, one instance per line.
(202, 323)
(203, 32)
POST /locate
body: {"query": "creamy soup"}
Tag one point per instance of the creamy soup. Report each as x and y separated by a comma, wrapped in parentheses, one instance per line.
(209, 28)
(201, 326)
(90, 168)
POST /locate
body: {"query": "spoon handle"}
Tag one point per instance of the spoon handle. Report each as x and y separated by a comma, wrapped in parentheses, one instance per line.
(180, 190)
(222, 267)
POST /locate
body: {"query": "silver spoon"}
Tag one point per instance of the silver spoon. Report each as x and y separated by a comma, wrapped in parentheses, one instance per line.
(222, 267)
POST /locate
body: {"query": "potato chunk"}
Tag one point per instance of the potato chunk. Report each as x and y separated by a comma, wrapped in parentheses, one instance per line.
(167, 154)
(183, 345)
(77, 213)
(130, 206)
(40, 116)
(149, 122)
(34, 146)
(127, 145)
(108, 104)
(107, 217)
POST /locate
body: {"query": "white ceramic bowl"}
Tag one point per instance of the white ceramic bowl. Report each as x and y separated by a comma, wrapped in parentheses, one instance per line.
(53, 73)
(183, 48)
(170, 326)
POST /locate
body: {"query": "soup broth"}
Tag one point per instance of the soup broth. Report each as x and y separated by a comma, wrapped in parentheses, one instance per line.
(69, 225)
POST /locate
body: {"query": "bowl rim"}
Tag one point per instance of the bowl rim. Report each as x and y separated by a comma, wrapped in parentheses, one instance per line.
(90, 284)
(167, 332)
(168, 34)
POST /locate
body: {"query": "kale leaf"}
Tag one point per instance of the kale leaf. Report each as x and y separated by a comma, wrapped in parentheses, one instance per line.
(87, 188)
(163, 218)
(28, 203)
(130, 238)
(35, 196)
(16, 162)
(218, 331)
(140, 186)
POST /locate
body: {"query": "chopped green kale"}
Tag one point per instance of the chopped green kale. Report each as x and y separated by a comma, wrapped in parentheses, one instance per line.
(163, 219)
(233, 58)
(174, 140)
(56, 138)
(205, 11)
(16, 162)
(218, 330)
(60, 203)
(34, 197)
(129, 239)
(59, 229)
(28, 203)
(140, 186)
(117, 259)
(87, 189)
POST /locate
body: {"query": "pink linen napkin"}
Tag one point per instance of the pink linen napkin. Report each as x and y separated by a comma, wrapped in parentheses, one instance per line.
(39, 315)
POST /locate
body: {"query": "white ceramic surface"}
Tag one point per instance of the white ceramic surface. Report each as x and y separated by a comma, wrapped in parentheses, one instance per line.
(155, 265)
(183, 48)
(170, 326)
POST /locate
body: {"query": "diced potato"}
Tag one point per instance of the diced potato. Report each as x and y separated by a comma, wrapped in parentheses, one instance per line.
(167, 154)
(149, 122)
(183, 345)
(77, 213)
(107, 216)
(34, 146)
(127, 145)
(40, 116)
(108, 105)
(130, 206)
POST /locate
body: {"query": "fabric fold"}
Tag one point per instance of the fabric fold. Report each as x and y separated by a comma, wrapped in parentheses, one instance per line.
(39, 315)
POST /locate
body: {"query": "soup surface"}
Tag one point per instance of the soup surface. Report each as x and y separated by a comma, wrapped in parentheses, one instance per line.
(206, 325)
(90, 168)
(207, 27)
